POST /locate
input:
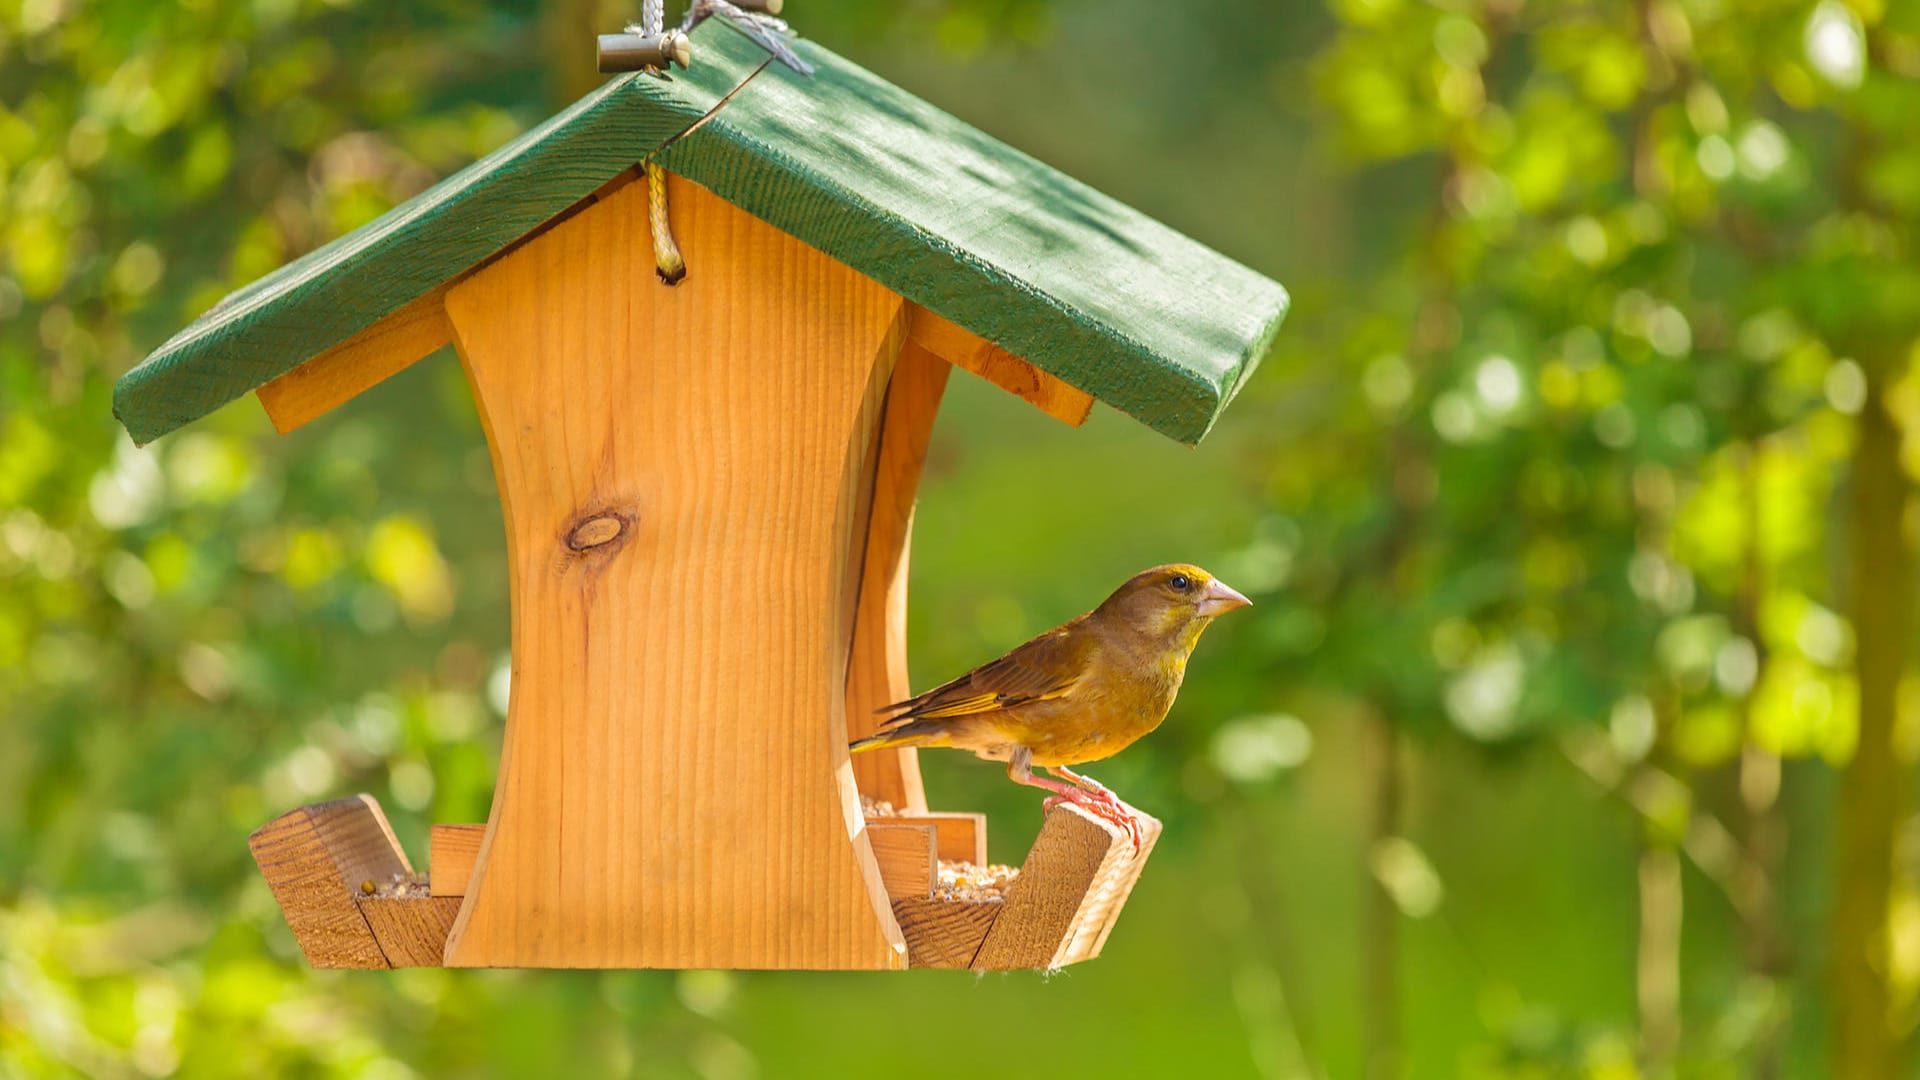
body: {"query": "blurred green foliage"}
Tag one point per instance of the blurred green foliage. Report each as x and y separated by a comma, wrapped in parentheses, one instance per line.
(1522, 765)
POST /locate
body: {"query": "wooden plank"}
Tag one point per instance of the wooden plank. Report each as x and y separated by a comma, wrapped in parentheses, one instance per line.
(314, 859)
(961, 836)
(877, 673)
(1108, 897)
(907, 848)
(362, 361)
(1074, 282)
(451, 850)
(328, 296)
(1070, 890)
(968, 351)
(945, 933)
(411, 930)
(908, 856)
(721, 426)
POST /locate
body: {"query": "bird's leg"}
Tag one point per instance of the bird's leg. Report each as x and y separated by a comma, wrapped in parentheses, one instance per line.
(1110, 806)
(1084, 783)
(1020, 771)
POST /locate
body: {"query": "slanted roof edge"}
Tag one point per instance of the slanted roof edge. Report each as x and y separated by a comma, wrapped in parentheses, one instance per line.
(813, 193)
(1076, 283)
(268, 328)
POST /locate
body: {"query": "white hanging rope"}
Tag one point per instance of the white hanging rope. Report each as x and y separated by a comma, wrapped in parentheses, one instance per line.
(667, 260)
(768, 31)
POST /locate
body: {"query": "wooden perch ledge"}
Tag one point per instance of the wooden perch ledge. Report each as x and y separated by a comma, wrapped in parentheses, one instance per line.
(328, 865)
(353, 900)
(1058, 911)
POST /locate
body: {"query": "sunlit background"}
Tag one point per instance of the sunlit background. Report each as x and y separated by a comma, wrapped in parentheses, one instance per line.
(1571, 732)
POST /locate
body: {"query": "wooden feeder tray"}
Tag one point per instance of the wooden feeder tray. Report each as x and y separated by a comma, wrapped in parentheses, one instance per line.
(353, 900)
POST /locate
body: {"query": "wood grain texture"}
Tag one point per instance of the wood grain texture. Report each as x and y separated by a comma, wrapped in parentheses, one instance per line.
(314, 859)
(1109, 893)
(326, 297)
(945, 933)
(1071, 888)
(675, 788)
(908, 856)
(411, 930)
(451, 851)
(877, 671)
(1062, 276)
(907, 849)
(971, 352)
(960, 836)
(364, 360)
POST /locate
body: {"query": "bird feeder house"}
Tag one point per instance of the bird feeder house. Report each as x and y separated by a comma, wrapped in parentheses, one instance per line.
(708, 489)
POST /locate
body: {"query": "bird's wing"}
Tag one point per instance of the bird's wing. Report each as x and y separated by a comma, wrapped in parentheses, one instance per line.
(1044, 668)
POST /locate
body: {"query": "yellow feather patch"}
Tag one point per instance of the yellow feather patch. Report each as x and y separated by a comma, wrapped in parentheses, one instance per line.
(1058, 691)
(980, 703)
(884, 741)
(963, 707)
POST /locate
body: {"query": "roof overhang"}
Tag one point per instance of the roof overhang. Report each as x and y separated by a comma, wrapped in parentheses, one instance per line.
(981, 235)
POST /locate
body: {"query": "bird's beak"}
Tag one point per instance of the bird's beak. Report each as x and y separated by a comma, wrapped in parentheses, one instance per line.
(1220, 598)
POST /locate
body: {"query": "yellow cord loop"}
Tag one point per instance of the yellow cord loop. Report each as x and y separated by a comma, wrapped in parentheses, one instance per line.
(666, 254)
(757, 19)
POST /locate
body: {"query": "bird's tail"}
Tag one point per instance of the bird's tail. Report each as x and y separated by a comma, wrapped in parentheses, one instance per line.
(917, 733)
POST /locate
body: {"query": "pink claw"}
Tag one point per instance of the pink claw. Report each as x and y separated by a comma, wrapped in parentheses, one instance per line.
(1105, 806)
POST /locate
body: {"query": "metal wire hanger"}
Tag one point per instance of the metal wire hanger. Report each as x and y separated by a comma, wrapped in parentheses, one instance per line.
(648, 46)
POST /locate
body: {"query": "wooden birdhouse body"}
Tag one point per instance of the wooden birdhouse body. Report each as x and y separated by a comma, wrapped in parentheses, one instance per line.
(708, 492)
(671, 680)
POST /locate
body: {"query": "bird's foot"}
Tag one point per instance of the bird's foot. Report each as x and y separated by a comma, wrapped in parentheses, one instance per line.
(1105, 806)
(1095, 788)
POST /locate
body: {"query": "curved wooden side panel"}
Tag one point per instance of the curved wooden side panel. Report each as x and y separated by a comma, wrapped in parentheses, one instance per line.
(877, 675)
(681, 471)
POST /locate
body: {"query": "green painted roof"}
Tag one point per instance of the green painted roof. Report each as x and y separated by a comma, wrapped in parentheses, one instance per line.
(1082, 286)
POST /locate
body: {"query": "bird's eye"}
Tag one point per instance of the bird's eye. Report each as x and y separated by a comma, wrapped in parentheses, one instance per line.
(1180, 582)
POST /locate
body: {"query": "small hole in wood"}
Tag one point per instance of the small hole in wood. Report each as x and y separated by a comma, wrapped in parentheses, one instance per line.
(595, 531)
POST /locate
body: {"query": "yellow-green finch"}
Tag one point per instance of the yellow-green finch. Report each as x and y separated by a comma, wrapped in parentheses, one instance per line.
(1080, 692)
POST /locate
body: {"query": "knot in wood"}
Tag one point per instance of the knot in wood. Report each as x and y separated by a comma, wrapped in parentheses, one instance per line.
(595, 531)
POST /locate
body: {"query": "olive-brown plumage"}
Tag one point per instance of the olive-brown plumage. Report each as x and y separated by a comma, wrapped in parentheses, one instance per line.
(1080, 692)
